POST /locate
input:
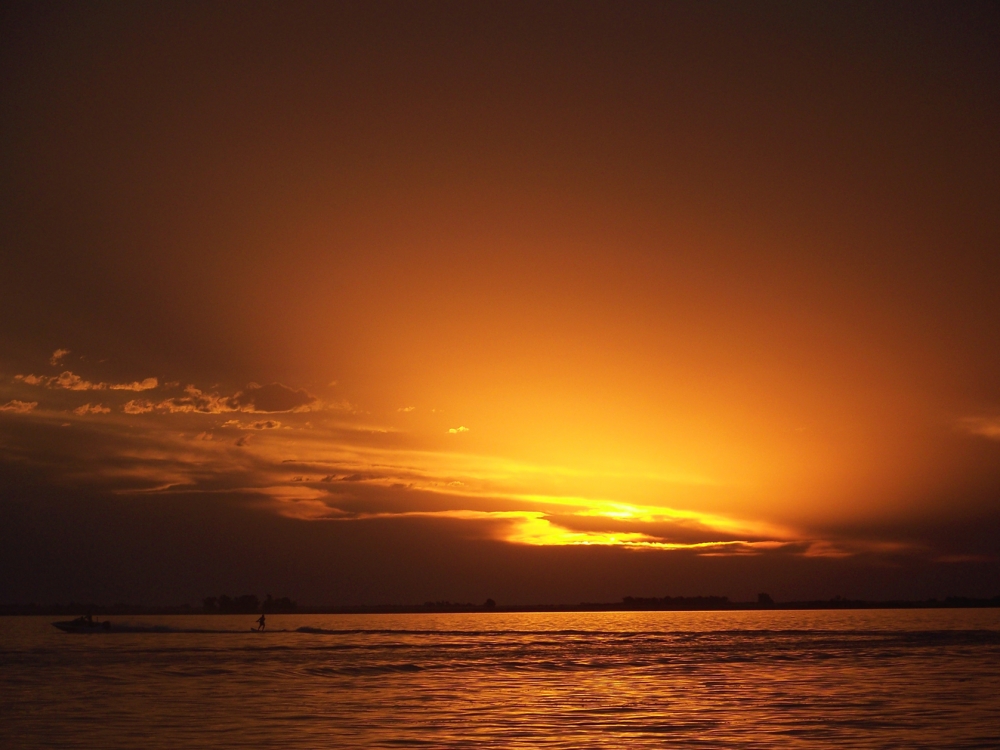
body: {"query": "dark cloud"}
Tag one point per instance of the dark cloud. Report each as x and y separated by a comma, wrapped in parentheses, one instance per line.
(265, 424)
(163, 550)
(273, 397)
(355, 478)
(72, 526)
(260, 424)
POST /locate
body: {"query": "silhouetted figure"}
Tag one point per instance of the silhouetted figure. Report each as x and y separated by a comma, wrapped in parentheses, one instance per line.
(261, 621)
(88, 621)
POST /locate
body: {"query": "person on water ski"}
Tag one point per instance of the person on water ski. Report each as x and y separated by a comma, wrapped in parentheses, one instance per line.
(261, 621)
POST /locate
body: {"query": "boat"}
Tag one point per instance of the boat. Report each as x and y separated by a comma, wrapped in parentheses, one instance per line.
(83, 625)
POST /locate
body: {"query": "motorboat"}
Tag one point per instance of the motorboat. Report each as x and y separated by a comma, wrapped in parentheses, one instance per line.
(83, 625)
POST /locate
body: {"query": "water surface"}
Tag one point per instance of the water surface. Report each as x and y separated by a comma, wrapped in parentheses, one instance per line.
(845, 679)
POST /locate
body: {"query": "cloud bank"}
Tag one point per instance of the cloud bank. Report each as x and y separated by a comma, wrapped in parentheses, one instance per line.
(328, 464)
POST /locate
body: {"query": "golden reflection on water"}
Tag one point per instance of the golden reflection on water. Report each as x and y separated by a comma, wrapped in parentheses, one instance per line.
(751, 679)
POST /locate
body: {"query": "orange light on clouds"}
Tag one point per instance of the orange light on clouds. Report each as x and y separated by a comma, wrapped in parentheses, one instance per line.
(562, 276)
(314, 462)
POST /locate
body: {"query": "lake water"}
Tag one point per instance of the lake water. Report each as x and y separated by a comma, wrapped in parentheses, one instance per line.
(838, 679)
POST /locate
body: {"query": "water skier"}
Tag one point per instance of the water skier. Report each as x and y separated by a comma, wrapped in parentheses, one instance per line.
(261, 621)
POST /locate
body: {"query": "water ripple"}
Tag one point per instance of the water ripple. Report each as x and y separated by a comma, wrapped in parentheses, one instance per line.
(796, 680)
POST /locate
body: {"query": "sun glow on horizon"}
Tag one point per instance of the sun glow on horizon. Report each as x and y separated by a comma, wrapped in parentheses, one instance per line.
(328, 459)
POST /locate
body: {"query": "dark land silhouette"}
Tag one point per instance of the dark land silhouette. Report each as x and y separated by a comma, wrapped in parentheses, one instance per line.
(250, 604)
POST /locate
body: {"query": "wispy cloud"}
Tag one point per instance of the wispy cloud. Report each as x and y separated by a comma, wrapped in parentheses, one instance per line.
(19, 407)
(91, 409)
(271, 398)
(144, 385)
(987, 427)
(70, 381)
(261, 424)
(255, 399)
(456, 430)
(138, 406)
(194, 400)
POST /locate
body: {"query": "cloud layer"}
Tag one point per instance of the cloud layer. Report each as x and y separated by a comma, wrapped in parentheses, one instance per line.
(348, 472)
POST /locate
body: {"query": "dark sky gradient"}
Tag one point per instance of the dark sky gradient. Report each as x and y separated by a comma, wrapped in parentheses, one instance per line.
(386, 302)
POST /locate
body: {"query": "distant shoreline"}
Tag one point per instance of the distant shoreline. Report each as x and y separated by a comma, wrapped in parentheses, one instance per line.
(629, 604)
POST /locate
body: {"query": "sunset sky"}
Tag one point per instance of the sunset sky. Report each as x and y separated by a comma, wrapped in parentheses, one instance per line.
(543, 302)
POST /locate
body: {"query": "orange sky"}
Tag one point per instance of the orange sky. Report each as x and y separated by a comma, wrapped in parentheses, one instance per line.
(692, 282)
